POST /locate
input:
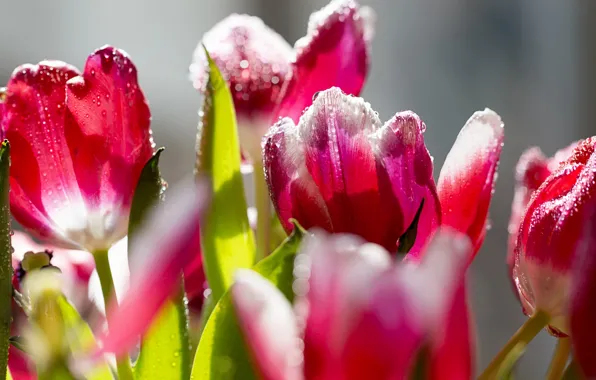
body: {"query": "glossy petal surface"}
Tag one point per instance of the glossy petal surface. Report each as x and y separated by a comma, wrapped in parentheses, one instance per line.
(334, 53)
(80, 142)
(467, 179)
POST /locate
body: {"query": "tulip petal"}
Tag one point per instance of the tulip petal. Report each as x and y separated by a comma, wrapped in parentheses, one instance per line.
(340, 268)
(292, 189)
(33, 116)
(159, 255)
(583, 295)
(468, 176)
(110, 140)
(406, 177)
(269, 325)
(335, 52)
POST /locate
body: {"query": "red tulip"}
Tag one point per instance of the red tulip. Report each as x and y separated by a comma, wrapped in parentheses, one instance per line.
(269, 79)
(549, 234)
(340, 169)
(357, 315)
(79, 142)
(532, 169)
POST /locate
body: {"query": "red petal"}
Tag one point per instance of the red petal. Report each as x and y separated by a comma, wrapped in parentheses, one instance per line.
(454, 346)
(335, 52)
(253, 59)
(583, 295)
(269, 326)
(110, 140)
(468, 176)
(159, 255)
(42, 180)
(407, 174)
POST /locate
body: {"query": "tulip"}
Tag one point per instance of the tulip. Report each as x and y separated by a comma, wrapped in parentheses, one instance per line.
(549, 235)
(79, 142)
(357, 316)
(532, 169)
(268, 78)
(340, 169)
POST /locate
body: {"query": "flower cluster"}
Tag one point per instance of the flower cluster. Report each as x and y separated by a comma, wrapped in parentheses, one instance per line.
(361, 270)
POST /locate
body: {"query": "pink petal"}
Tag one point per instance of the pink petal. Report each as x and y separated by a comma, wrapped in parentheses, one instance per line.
(19, 366)
(195, 282)
(293, 191)
(335, 52)
(254, 60)
(583, 295)
(33, 118)
(269, 325)
(406, 170)
(159, 255)
(467, 179)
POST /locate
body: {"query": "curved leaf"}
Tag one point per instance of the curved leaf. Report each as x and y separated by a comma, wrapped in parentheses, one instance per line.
(227, 239)
(5, 259)
(165, 348)
(222, 353)
(165, 351)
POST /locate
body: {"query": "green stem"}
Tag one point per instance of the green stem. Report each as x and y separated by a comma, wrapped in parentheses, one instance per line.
(523, 336)
(572, 372)
(557, 365)
(263, 205)
(102, 265)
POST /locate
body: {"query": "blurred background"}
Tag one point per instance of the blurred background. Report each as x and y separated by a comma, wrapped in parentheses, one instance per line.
(532, 61)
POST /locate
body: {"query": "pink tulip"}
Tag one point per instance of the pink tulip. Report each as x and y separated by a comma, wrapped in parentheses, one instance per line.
(79, 142)
(356, 315)
(269, 79)
(342, 170)
(549, 235)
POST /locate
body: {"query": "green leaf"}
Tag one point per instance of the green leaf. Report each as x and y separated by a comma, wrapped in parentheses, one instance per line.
(421, 363)
(221, 353)
(228, 242)
(148, 193)
(165, 352)
(19, 343)
(165, 348)
(407, 240)
(80, 338)
(5, 258)
(8, 376)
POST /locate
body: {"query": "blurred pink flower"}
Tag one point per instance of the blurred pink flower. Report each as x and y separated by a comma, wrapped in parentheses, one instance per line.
(356, 314)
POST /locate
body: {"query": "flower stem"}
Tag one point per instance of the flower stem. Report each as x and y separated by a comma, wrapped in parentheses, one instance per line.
(557, 365)
(523, 336)
(263, 205)
(102, 265)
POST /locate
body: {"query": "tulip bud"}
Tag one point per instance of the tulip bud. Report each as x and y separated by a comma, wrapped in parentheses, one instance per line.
(269, 79)
(79, 143)
(549, 234)
(340, 169)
